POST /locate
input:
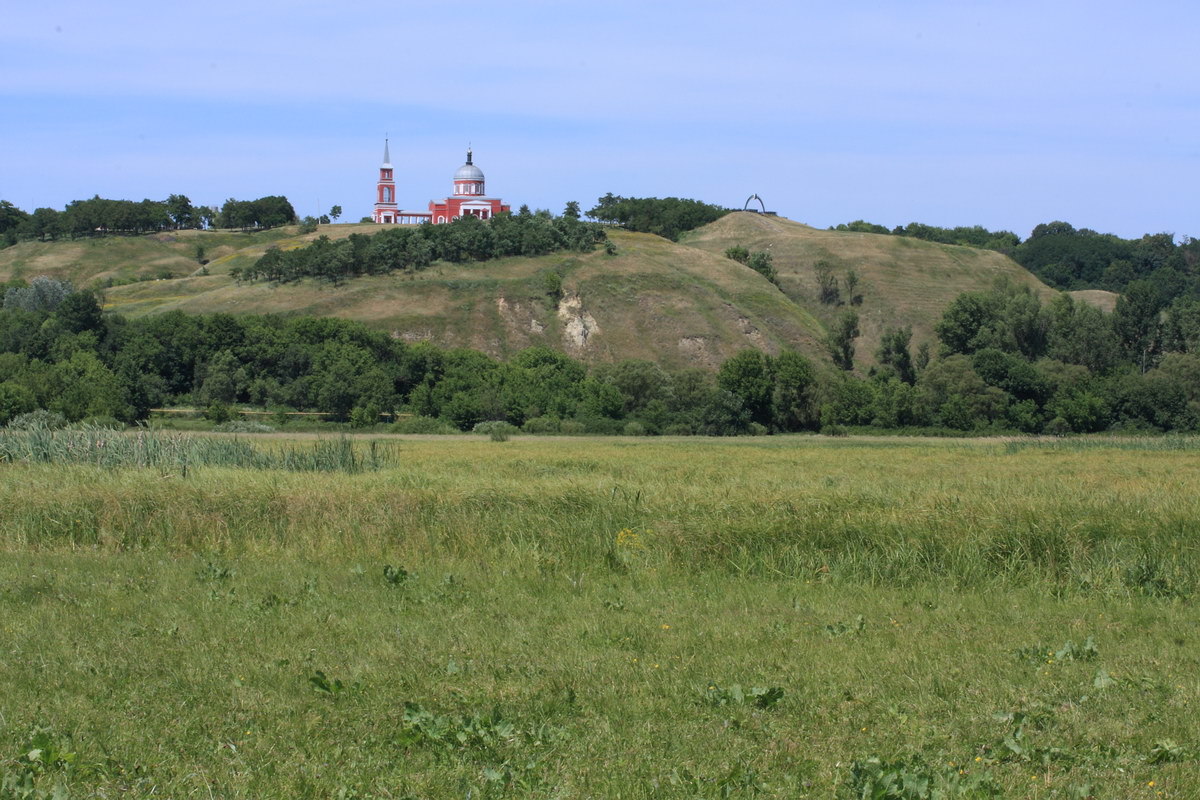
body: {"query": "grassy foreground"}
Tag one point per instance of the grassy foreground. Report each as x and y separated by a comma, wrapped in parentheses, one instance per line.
(786, 617)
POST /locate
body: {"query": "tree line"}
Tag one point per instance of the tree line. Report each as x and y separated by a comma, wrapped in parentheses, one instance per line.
(967, 236)
(468, 238)
(101, 216)
(1003, 362)
(667, 217)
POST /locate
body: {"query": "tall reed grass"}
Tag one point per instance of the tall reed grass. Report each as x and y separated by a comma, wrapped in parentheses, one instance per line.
(177, 453)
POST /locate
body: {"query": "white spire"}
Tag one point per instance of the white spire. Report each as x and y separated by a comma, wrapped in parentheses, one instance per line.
(387, 157)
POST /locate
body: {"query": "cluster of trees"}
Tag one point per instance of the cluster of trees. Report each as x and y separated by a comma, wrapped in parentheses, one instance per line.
(829, 287)
(465, 239)
(760, 261)
(667, 217)
(1084, 259)
(265, 212)
(1071, 259)
(100, 216)
(1006, 362)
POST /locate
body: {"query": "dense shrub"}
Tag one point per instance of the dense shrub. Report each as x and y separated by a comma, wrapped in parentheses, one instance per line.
(41, 419)
(540, 425)
(419, 424)
(496, 429)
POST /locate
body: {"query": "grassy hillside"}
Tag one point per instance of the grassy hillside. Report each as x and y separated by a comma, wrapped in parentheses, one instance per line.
(903, 281)
(654, 299)
(680, 304)
(89, 262)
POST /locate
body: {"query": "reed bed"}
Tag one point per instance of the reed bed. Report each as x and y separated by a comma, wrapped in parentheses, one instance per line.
(179, 453)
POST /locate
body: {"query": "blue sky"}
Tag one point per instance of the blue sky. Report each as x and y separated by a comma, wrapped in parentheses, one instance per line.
(949, 113)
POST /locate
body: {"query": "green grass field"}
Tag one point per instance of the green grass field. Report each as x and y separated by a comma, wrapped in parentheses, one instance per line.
(560, 618)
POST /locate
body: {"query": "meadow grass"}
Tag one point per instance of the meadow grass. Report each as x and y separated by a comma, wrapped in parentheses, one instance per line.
(593, 617)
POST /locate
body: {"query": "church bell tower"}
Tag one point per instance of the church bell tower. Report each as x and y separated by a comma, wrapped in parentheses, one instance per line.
(386, 209)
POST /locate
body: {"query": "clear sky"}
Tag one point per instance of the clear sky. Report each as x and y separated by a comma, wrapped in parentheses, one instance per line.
(1004, 114)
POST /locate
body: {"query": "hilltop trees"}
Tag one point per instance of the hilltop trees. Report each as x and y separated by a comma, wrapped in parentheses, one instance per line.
(265, 212)
(179, 209)
(465, 239)
(43, 224)
(974, 236)
(667, 217)
(1070, 258)
(12, 219)
(100, 216)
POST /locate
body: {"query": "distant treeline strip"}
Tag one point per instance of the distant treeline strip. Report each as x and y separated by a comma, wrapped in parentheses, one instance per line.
(1069, 258)
(100, 216)
(415, 248)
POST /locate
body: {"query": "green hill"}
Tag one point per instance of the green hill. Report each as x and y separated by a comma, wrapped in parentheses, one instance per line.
(902, 281)
(679, 304)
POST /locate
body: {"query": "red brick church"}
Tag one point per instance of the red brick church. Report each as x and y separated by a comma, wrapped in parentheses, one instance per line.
(468, 198)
